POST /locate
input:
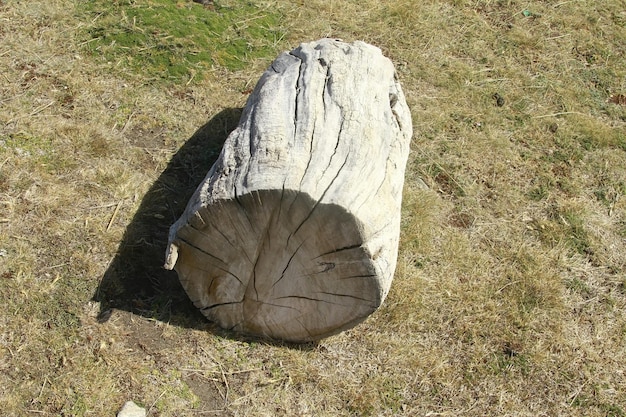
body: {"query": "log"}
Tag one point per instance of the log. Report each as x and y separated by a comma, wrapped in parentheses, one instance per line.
(293, 234)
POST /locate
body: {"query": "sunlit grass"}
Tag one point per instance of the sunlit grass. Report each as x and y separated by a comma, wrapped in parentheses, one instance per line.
(509, 296)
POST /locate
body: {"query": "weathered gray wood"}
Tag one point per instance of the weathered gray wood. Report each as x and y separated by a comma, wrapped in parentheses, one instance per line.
(293, 234)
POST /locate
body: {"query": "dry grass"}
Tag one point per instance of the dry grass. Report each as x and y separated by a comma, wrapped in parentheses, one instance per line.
(510, 293)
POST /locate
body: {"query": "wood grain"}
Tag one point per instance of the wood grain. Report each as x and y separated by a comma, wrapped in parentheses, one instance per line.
(293, 235)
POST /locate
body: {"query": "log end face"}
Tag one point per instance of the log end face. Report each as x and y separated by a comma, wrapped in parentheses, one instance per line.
(279, 265)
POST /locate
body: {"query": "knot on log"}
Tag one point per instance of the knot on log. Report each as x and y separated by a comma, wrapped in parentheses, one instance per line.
(293, 234)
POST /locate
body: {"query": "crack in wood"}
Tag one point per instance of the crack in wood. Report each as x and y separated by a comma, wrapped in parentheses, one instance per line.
(250, 141)
(203, 233)
(344, 248)
(344, 295)
(209, 290)
(312, 138)
(242, 207)
(268, 235)
(215, 266)
(301, 297)
(185, 241)
(306, 329)
(330, 161)
(212, 306)
(393, 100)
(320, 199)
(261, 247)
(308, 163)
(324, 92)
(382, 182)
(297, 90)
(326, 82)
(256, 291)
(280, 204)
(288, 263)
(358, 276)
(385, 227)
(279, 305)
(397, 118)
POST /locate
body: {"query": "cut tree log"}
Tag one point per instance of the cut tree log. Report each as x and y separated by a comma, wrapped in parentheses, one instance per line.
(293, 235)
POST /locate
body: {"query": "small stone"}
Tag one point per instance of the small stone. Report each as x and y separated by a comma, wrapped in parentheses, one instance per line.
(130, 409)
(421, 184)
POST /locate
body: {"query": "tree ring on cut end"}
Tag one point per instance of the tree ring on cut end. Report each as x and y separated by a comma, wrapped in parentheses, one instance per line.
(278, 263)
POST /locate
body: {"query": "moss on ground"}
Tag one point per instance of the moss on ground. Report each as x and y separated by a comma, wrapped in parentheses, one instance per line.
(180, 41)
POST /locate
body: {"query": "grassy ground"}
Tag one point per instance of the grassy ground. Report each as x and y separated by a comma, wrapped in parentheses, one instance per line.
(510, 292)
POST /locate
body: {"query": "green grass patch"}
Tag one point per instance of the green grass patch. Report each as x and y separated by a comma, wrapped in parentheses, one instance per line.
(575, 231)
(180, 41)
(35, 151)
(541, 190)
(567, 225)
(25, 144)
(579, 286)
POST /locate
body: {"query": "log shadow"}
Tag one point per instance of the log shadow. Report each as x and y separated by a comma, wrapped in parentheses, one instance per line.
(135, 280)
